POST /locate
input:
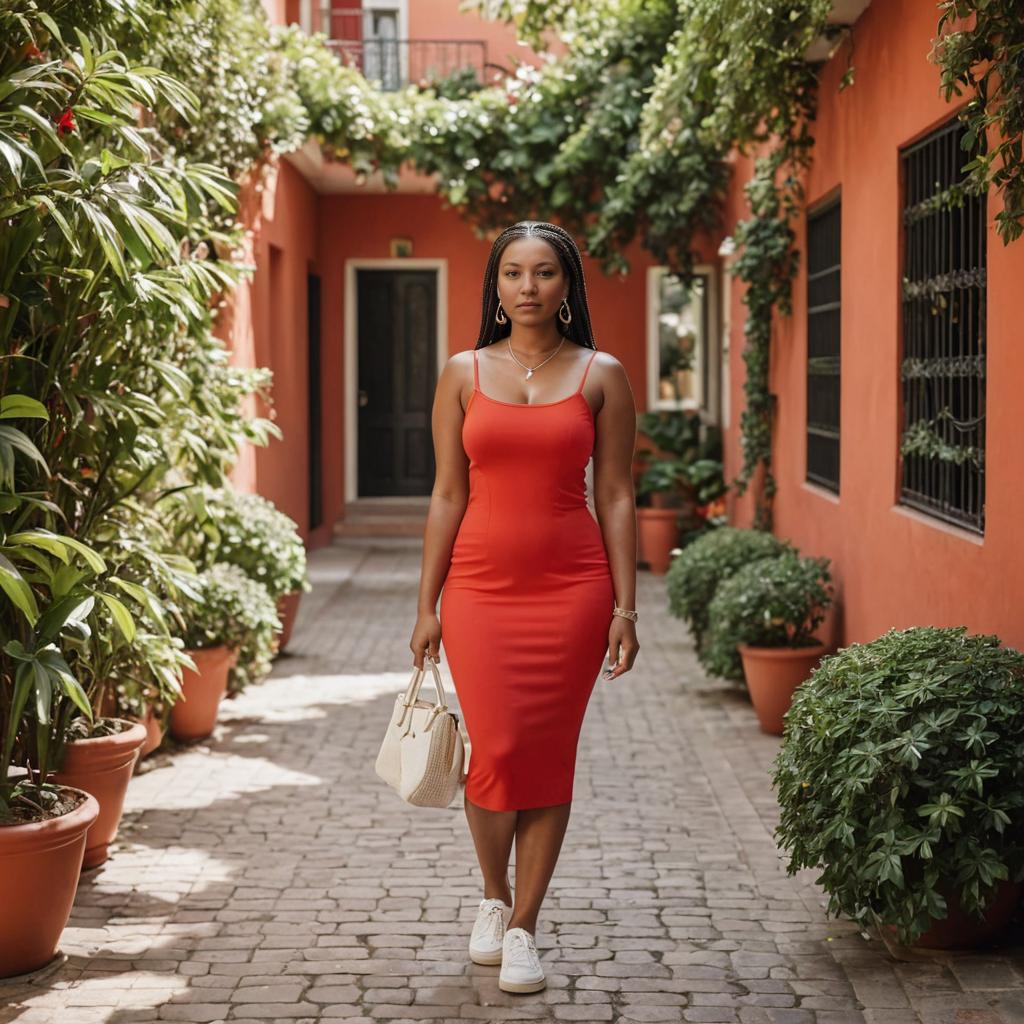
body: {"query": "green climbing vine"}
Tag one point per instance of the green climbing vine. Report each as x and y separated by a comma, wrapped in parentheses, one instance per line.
(993, 41)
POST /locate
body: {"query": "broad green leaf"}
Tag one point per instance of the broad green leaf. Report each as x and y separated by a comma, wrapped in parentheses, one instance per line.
(17, 589)
(122, 617)
(22, 407)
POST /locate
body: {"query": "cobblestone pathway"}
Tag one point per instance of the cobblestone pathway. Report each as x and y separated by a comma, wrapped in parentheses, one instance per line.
(267, 875)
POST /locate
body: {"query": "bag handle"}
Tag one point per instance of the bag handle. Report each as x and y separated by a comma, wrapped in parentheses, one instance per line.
(412, 691)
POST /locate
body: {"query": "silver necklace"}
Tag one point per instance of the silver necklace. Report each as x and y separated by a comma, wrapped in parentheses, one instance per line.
(529, 369)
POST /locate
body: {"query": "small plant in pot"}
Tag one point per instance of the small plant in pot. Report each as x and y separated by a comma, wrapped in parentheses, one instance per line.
(230, 625)
(699, 568)
(901, 777)
(766, 615)
(220, 524)
(667, 494)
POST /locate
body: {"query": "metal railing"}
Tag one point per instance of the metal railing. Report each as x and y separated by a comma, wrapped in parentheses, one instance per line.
(394, 63)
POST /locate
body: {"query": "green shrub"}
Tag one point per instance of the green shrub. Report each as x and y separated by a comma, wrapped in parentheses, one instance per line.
(901, 775)
(237, 611)
(697, 570)
(772, 602)
(246, 530)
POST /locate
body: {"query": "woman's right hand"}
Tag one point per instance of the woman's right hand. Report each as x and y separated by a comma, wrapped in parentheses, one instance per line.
(426, 638)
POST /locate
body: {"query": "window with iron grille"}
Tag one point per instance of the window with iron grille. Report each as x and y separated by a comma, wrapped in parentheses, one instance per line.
(823, 295)
(942, 370)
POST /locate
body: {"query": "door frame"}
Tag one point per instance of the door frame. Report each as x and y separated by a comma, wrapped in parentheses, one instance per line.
(351, 343)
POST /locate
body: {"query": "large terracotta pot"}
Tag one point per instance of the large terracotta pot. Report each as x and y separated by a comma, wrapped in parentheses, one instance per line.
(39, 867)
(103, 766)
(960, 930)
(772, 674)
(658, 534)
(194, 714)
(287, 609)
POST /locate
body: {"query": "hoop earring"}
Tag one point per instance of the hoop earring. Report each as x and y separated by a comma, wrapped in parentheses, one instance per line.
(499, 315)
(565, 319)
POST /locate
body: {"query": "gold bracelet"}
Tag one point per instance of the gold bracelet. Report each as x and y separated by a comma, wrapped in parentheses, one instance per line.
(626, 613)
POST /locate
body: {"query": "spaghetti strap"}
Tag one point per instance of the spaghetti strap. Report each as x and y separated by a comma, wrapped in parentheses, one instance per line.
(476, 373)
(586, 370)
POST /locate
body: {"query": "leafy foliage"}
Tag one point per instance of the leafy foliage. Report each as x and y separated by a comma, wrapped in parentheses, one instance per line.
(901, 775)
(700, 567)
(233, 609)
(113, 389)
(690, 466)
(771, 602)
(993, 43)
(220, 524)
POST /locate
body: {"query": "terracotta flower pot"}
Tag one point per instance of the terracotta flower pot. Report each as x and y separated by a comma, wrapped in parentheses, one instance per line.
(287, 609)
(39, 867)
(154, 732)
(960, 930)
(103, 766)
(194, 714)
(658, 534)
(154, 729)
(772, 674)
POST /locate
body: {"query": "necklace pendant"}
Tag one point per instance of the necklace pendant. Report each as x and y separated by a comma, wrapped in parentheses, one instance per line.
(529, 374)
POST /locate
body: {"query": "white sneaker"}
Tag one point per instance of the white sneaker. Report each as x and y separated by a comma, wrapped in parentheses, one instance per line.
(520, 965)
(489, 931)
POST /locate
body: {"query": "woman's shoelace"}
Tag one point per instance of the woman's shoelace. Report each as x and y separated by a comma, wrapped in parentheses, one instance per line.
(494, 920)
(524, 950)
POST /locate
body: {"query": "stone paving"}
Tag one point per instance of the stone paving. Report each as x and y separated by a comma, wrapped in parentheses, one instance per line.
(268, 875)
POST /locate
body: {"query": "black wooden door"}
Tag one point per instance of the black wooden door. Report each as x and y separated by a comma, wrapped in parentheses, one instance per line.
(397, 354)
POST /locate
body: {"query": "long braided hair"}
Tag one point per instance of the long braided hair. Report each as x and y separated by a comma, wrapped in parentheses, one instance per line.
(579, 330)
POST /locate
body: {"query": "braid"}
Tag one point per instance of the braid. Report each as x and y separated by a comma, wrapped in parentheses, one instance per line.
(579, 330)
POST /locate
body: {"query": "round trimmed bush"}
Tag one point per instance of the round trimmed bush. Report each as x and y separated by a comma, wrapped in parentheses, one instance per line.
(901, 775)
(772, 602)
(702, 565)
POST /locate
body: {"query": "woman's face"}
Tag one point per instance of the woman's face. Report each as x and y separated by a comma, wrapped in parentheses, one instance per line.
(531, 281)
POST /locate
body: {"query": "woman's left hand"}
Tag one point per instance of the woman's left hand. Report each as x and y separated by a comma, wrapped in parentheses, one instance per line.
(622, 647)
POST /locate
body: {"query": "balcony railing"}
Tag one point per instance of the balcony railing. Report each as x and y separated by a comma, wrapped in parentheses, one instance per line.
(395, 63)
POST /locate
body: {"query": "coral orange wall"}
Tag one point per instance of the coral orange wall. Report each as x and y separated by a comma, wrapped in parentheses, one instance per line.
(268, 327)
(895, 567)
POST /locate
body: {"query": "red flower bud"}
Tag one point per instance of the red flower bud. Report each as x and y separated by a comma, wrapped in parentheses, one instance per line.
(66, 122)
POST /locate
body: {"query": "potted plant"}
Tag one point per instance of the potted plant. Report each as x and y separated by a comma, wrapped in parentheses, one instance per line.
(221, 524)
(232, 622)
(697, 570)
(43, 824)
(767, 613)
(901, 777)
(120, 640)
(148, 690)
(669, 487)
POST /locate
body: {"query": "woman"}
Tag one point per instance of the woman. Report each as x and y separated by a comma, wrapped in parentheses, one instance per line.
(535, 590)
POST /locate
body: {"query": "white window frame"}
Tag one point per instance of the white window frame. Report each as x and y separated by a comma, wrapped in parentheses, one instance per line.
(710, 405)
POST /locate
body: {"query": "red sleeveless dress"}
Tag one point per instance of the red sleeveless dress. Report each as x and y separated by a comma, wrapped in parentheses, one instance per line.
(527, 602)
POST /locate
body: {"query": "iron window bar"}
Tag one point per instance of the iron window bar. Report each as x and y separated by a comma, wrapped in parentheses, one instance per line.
(943, 367)
(823, 346)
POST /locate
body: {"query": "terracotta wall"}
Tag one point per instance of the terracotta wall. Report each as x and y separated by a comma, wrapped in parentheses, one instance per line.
(895, 567)
(267, 326)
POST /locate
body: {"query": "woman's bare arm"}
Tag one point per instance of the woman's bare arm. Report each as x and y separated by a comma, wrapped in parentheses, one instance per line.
(448, 500)
(615, 502)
